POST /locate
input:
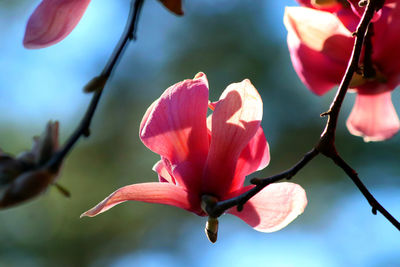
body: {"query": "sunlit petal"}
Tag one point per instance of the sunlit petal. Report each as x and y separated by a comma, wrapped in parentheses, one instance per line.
(235, 121)
(162, 193)
(373, 117)
(274, 207)
(52, 21)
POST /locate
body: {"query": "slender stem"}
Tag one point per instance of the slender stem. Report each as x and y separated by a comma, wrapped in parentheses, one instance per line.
(83, 128)
(376, 206)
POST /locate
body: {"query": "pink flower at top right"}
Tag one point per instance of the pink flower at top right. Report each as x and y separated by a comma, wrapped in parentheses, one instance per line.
(320, 44)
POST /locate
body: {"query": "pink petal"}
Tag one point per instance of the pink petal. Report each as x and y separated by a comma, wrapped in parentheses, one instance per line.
(162, 193)
(163, 172)
(254, 157)
(235, 121)
(175, 127)
(373, 117)
(274, 207)
(386, 41)
(319, 45)
(52, 21)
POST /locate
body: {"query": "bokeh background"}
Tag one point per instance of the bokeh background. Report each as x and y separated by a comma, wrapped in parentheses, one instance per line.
(229, 40)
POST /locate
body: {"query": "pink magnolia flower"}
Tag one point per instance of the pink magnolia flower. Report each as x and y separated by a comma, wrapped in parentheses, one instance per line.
(320, 44)
(211, 156)
(52, 21)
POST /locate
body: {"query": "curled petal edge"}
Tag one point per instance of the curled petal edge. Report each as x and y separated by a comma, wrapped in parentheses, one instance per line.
(162, 193)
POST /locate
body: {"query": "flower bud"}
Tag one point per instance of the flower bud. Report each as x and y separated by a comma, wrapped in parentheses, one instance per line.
(25, 176)
(26, 186)
(173, 5)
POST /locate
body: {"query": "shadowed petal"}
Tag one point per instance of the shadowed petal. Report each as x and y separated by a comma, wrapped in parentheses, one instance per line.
(274, 207)
(163, 173)
(235, 121)
(386, 44)
(373, 117)
(162, 193)
(319, 45)
(175, 126)
(254, 157)
(52, 21)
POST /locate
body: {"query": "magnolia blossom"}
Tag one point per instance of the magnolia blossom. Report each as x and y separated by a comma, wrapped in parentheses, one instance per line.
(53, 20)
(210, 157)
(320, 42)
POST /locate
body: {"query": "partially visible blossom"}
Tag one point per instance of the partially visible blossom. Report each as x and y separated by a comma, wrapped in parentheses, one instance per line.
(25, 176)
(209, 158)
(320, 44)
(53, 20)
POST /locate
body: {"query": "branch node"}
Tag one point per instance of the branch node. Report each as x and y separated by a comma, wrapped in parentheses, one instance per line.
(326, 113)
(86, 132)
(256, 181)
(374, 210)
(95, 84)
(240, 207)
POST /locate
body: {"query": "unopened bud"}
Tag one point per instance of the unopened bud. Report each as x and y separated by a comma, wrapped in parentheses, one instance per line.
(212, 229)
(25, 176)
(26, 186)
(9, 169)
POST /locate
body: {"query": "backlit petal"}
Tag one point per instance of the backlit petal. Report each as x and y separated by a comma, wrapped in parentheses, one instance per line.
(175, 126)
(162, 193)
(235, 121)
(274, 207)
(52, 21)
(373, 117)
(320, 46)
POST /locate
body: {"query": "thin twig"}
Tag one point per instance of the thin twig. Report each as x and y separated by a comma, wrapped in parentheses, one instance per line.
(219, 208)
(376, 206)
(100, 81)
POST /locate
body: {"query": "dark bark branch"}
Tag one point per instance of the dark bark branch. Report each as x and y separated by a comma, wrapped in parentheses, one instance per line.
(97, 84)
